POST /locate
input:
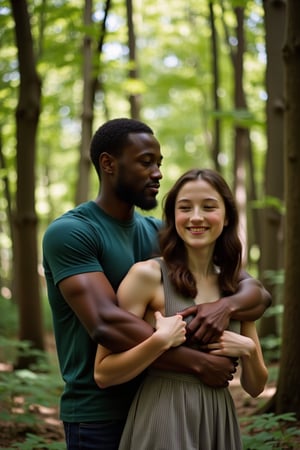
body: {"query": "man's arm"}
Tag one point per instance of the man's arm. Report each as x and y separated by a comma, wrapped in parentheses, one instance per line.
(94, 302)
(211, 319)
(116, 368)
(250, 301)
(215, 371)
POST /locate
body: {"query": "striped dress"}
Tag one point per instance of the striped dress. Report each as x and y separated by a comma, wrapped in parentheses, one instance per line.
(176, 411)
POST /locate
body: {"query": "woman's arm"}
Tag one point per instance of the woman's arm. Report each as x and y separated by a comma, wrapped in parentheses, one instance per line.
(213, 371)
(116, 368)
(135, 293)
(254, 372)
(246, 345)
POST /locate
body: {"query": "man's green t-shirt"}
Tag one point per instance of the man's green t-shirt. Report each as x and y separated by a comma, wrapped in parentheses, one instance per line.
(83, 240)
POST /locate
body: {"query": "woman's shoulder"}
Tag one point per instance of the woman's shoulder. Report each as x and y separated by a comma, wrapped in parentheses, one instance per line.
(149, 270)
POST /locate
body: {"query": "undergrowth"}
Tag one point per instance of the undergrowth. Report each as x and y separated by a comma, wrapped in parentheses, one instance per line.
(271, 431)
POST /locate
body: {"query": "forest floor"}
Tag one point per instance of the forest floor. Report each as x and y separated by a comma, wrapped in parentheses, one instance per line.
(50, 430)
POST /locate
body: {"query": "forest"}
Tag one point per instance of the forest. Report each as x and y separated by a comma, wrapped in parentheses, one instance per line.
(219, 83)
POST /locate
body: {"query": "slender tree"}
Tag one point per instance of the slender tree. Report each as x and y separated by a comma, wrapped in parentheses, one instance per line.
(134, 98)
(5, 264)
(241, 140)
(216, 78)
(27, 118)
(87, 108)
(288, 392)
(272, 217)
(91, 84)
(244, 183)
(241, 135)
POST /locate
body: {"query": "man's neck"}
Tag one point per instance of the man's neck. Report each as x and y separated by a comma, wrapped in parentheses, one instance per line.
(115, 208)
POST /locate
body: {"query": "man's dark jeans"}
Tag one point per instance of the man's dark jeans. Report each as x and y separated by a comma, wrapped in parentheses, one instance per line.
(104, 435)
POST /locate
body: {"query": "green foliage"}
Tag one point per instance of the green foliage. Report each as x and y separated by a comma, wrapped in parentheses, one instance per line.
(271, 347)
(269, 201)
(174, 60)
(8, 318)
(275, 277)
(273, 371)
(11, 348)
(270, 431)
(28, 384)
(22, 392)
(241, 117)
(271, 344)
(34, 442)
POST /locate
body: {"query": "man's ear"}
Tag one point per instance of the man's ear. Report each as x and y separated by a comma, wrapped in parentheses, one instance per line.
(107, 162)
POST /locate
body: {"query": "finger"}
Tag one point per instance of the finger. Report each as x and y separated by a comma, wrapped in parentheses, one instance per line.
(202, 347)
(195, 326)
(157, 315)
(191, 310)
(205, 335)
(214, 346)
(216, 352)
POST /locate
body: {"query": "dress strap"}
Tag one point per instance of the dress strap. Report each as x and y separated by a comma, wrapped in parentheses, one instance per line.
(169, 292)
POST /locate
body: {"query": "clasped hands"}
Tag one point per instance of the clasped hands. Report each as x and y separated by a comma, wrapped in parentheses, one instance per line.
(208, 322)
(207, 330)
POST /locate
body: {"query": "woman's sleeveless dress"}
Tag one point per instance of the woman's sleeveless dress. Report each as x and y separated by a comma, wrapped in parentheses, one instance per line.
(176, 411)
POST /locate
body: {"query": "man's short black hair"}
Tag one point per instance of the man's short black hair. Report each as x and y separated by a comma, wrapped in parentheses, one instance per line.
(112, 137)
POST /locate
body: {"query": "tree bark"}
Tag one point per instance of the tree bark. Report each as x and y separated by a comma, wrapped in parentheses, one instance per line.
(288, 392)
(134, 98)
(215, 71)
(244, 185)
(91, 84)
(27, 117)
(272, 217)
(82, 189)
(6, 266)
(241, 134)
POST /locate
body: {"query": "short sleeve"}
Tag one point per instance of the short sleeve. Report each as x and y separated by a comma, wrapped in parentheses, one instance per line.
(70, 247)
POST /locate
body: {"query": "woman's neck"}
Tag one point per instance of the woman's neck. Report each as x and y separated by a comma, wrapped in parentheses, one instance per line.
(200, 263)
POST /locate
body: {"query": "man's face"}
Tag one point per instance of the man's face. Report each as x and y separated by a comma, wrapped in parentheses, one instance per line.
(138, 174)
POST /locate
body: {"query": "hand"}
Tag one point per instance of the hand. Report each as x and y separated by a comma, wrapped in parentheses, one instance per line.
(209, 321)
(216, 371)
(231, 344)
(172, 329)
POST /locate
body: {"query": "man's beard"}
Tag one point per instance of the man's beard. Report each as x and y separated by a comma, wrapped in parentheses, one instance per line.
(130, 196)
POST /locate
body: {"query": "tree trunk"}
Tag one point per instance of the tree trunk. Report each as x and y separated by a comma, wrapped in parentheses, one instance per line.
(215, 71)
(134, 98)
(91, 84)
(241, 133)
(6, 264)
(244, 186)
(272, 217)
(82, 189)
(288, 392)
(27, 117)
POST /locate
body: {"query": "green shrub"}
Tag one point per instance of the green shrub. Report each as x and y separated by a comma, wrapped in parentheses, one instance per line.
(270, 431)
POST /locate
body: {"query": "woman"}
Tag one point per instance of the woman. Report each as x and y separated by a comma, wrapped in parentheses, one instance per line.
(201, 261)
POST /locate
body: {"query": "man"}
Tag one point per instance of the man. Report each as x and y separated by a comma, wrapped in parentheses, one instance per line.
(87, 252)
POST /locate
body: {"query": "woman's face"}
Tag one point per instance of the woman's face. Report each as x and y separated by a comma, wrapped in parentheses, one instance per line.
(200, 214)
